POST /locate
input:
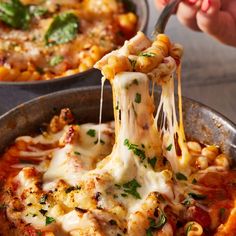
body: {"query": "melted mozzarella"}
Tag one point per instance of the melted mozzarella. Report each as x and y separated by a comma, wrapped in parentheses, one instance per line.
(136, 124)
(74, 160)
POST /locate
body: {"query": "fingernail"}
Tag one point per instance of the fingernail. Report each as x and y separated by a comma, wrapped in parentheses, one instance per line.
(205, 5)
(192, 1)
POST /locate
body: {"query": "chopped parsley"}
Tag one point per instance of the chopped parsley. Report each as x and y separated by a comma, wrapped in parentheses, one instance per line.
(15, 14)
(91, 132)
(49, 220)
(63, 29)
(152, 162)
(169, 147)
(196, 196)
(153, 225)
(137, 151)
(180, 176)
(43, 199)
(189, 228)
(147, 54)
(131, 188)
(187, 201)
(194, 181)
(72, 188)
(77, 153)
(56, 60)
(138, 98)
(149, 232)
(38, 11)
(133, 64)
(39, 233)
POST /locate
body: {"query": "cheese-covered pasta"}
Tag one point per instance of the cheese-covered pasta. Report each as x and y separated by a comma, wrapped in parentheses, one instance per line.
(138, 176)
(43, 40)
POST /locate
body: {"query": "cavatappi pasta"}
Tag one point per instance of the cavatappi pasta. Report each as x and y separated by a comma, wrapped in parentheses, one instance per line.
(42, 40)
(131, 177)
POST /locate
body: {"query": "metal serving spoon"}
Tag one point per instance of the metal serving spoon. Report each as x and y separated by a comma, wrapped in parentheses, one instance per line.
(164, 17)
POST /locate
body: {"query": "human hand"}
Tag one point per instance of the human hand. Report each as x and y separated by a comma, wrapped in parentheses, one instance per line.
(214, 17)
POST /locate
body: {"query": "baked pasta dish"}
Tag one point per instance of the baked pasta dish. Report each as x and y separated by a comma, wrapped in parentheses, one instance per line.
(136, 176)
(46, 39)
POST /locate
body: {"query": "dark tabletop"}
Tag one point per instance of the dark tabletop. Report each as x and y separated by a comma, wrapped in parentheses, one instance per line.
(209, 72)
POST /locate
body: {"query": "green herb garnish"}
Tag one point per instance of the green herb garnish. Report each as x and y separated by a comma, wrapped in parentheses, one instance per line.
(189, 228)
(194, 181)
(56, 60)
(196, 196)
(134, 147)
(131, 188)
(15, 14)
(77, 153)
(152, 162)
(91, 132)
(43, 199)
(49, 220)
(149, 232)
(63, 29)
(153, 225)
(133, 64)
(180, 176)
(147, 54)
(38, 11)
(138, 98)
(169, 147)
(72, 188)
(187, 201)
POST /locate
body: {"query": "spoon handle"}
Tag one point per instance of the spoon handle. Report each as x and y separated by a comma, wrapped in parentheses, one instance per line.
(164, 17)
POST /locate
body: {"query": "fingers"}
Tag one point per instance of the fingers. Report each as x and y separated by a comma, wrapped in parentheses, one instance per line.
(161, 3)
(208, 17)
(218, 23)
(187, 11)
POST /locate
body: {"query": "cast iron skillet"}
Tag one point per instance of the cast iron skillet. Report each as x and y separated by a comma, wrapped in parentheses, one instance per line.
(201, 123)
(142, 11)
